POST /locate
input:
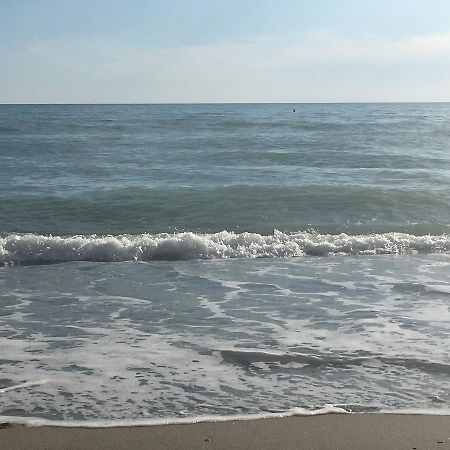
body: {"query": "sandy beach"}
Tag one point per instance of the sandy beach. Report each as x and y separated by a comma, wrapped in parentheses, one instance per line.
(355, 431)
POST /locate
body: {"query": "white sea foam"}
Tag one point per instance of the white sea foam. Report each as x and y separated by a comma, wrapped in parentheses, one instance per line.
(294, 412)
(33, 421)
(25, 385)
(40, 249)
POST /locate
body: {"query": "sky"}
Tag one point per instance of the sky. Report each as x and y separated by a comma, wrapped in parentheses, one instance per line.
(175, 51)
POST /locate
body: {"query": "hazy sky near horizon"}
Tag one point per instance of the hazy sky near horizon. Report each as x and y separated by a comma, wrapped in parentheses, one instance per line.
(110, 51)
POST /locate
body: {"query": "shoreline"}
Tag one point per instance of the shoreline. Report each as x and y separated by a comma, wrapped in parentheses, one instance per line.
(320, 432)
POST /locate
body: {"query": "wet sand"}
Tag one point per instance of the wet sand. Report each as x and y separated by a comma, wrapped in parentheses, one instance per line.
(353, 431)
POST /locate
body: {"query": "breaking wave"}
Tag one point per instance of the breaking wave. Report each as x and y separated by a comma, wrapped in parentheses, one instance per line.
(26, 249)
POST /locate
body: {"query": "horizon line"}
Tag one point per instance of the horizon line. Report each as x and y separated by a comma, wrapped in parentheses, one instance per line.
(224, 103)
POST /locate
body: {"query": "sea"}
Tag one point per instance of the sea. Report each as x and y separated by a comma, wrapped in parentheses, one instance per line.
(178, 263)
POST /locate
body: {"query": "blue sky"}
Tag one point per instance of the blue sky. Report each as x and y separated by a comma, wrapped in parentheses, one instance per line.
(213, 51)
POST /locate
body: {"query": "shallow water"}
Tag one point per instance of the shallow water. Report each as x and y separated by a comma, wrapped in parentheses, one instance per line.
(135, 340)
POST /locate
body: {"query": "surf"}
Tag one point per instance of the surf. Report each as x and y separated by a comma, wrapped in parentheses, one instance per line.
(30, 249)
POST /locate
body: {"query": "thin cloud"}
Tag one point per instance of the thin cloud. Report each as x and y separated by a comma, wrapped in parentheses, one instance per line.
(317, 66)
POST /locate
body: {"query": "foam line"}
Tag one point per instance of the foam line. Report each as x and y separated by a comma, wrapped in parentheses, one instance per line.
(25, 385)
(25, 249)
(295, 412)
(33, 421)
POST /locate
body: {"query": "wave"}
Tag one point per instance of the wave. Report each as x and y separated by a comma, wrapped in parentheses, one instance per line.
(26, 249)
(262, 208)
(247, 357)
(294, 412)
(303, 412)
